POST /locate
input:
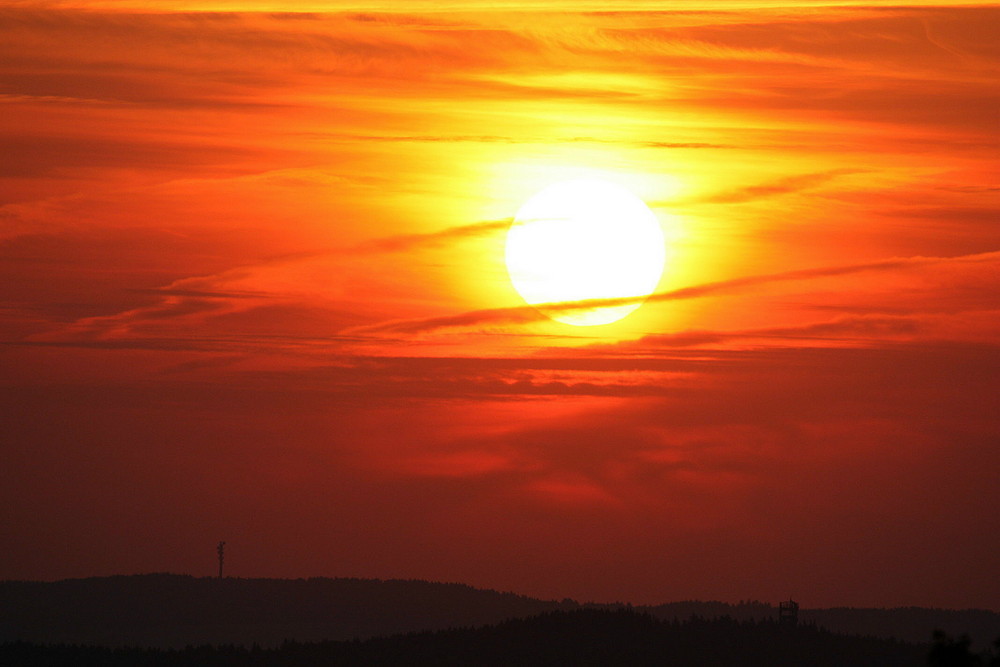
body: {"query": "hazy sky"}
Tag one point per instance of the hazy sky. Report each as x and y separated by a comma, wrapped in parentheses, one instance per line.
(253, 289)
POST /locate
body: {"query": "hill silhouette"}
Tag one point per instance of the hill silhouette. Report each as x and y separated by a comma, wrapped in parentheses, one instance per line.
(173, 611)
(580, 637)
(166, 610)
(912, 624)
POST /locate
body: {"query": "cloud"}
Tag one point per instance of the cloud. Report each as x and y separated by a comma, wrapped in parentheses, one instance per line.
(520, 139)
(783, 186)
(859, 329)
(32, 156)
(226, 302)
(827, 455)
(525, 314)
(408, 241)
(148, 367)
(202, 294)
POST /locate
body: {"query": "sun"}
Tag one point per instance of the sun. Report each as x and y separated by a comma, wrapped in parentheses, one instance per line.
(585, 239)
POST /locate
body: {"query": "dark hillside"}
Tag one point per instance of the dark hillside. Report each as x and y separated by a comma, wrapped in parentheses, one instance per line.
(581, 637)
(914, 624)
(167, 610)
(163, 610)
(911, 624)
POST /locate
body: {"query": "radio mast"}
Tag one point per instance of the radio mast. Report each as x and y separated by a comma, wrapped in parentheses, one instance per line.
(222, 556)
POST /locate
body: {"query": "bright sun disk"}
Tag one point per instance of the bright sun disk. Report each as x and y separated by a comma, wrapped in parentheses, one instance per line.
(585, 239)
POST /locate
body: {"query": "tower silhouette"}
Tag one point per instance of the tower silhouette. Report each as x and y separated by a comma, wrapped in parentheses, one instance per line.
(222, 556)
(788, 613)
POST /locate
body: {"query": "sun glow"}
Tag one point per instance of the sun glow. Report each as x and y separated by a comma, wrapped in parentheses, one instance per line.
(585, 239)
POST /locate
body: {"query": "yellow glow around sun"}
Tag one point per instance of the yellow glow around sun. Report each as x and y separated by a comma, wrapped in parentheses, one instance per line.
(585, 239)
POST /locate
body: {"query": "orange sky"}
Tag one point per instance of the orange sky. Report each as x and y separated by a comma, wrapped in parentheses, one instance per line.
(253, 289)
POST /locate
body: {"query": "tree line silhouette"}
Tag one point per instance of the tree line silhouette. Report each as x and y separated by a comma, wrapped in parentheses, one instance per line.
(949, 652)
(173, 611)
(580, 637)
(183, 620)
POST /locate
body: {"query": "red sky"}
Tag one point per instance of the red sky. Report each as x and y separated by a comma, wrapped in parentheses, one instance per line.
(253, 289)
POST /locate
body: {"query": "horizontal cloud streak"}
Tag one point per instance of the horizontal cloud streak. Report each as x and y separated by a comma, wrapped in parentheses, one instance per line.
(500, 139)
(408, 241)
(524, 314)
(865, 329)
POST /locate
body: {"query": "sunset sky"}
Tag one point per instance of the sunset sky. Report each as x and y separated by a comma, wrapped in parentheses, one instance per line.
(254, 289)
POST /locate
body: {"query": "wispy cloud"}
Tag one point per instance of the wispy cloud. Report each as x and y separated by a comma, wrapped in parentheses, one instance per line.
(864, 329)
(444, 236)
(512, 139)
(525, 314)
(781, 186)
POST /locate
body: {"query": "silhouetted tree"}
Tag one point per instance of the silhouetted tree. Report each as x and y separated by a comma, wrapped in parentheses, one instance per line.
(994, 658)
(948, 652)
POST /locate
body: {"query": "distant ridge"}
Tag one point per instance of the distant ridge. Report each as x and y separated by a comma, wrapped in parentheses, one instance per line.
(169, 610)
(173, 611)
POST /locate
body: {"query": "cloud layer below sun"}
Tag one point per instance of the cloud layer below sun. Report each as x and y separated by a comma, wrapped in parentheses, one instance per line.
(252, 287)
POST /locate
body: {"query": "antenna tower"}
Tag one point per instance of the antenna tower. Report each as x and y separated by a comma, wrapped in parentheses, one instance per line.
(788, 613)
(222, 556)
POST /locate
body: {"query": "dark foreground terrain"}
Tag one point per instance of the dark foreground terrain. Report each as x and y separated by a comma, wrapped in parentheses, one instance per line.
(581, 637)
(174, 611)
(163, 619)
